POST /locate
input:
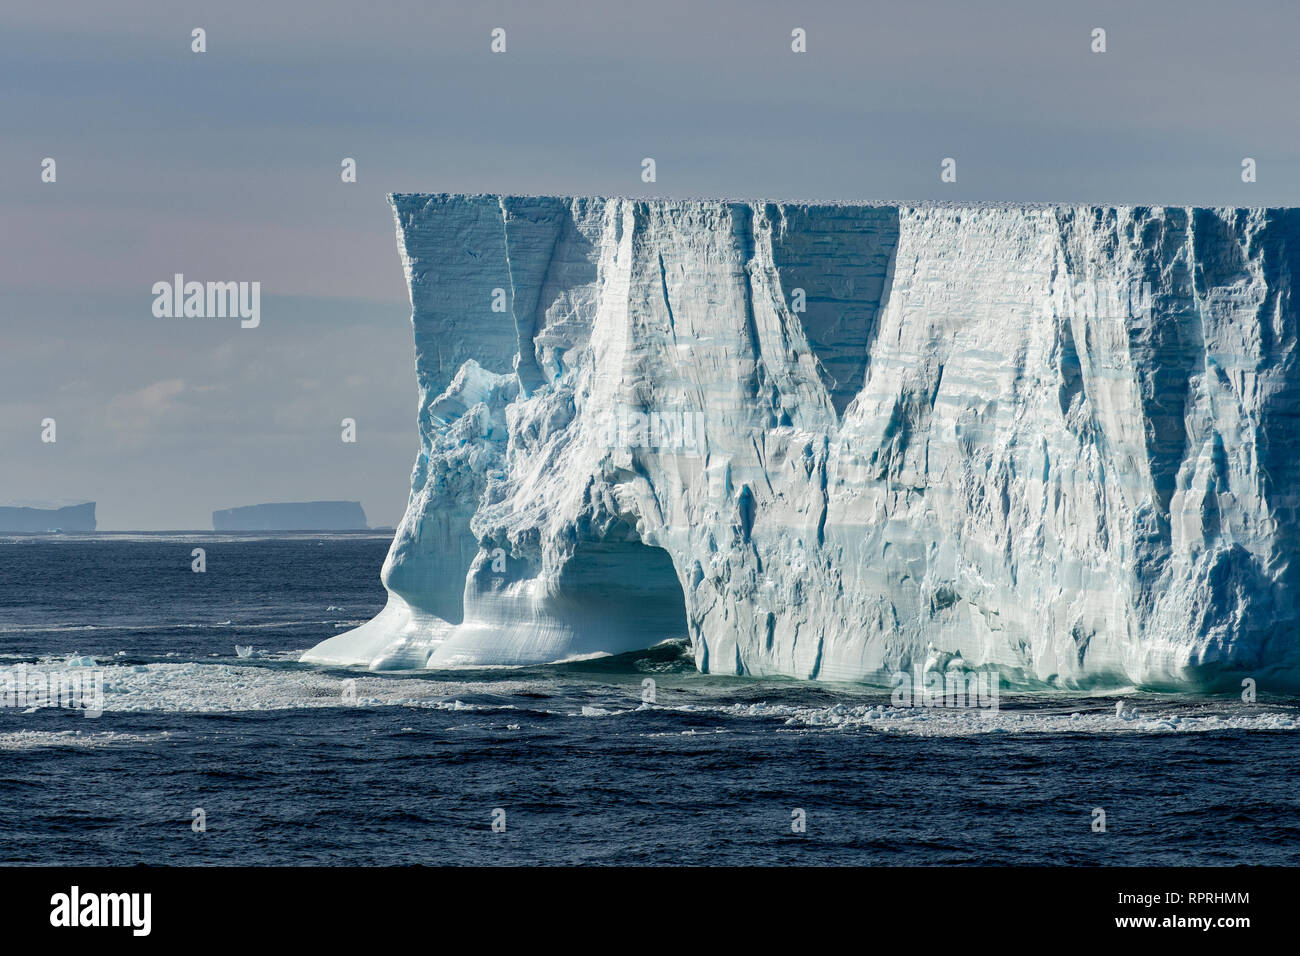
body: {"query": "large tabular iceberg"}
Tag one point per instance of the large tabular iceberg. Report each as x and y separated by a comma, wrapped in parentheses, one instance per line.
(841, 441)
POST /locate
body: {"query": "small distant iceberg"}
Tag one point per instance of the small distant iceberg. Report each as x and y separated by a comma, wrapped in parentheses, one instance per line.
(292, 516)
(47, 517)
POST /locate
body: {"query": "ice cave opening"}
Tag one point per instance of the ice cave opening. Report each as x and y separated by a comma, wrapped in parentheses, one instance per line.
(624, 590)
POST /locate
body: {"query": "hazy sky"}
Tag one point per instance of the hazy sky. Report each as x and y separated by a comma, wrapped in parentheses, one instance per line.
(225, 166)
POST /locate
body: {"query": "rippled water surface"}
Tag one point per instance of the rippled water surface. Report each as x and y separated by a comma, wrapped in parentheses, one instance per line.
(298, 764)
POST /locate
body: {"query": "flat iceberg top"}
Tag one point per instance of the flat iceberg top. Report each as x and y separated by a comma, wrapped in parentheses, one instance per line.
(51, 504)
(814, 203)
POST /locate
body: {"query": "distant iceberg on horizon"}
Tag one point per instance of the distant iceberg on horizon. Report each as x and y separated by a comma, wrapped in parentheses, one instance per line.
(292, 516)
(840, 441)
(37, 517)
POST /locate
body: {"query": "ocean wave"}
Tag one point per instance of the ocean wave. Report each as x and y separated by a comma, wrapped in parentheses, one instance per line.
(80, 739)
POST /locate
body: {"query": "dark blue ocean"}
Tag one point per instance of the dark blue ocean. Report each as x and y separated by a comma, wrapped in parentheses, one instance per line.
(293, 764)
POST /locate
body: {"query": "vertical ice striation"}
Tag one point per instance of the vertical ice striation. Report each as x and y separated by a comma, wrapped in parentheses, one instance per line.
(837, 441)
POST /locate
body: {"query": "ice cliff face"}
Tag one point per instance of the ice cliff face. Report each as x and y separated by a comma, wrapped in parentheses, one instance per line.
(836, 442)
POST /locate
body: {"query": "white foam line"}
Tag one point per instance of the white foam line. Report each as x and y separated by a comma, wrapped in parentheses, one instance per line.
(220, 687)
